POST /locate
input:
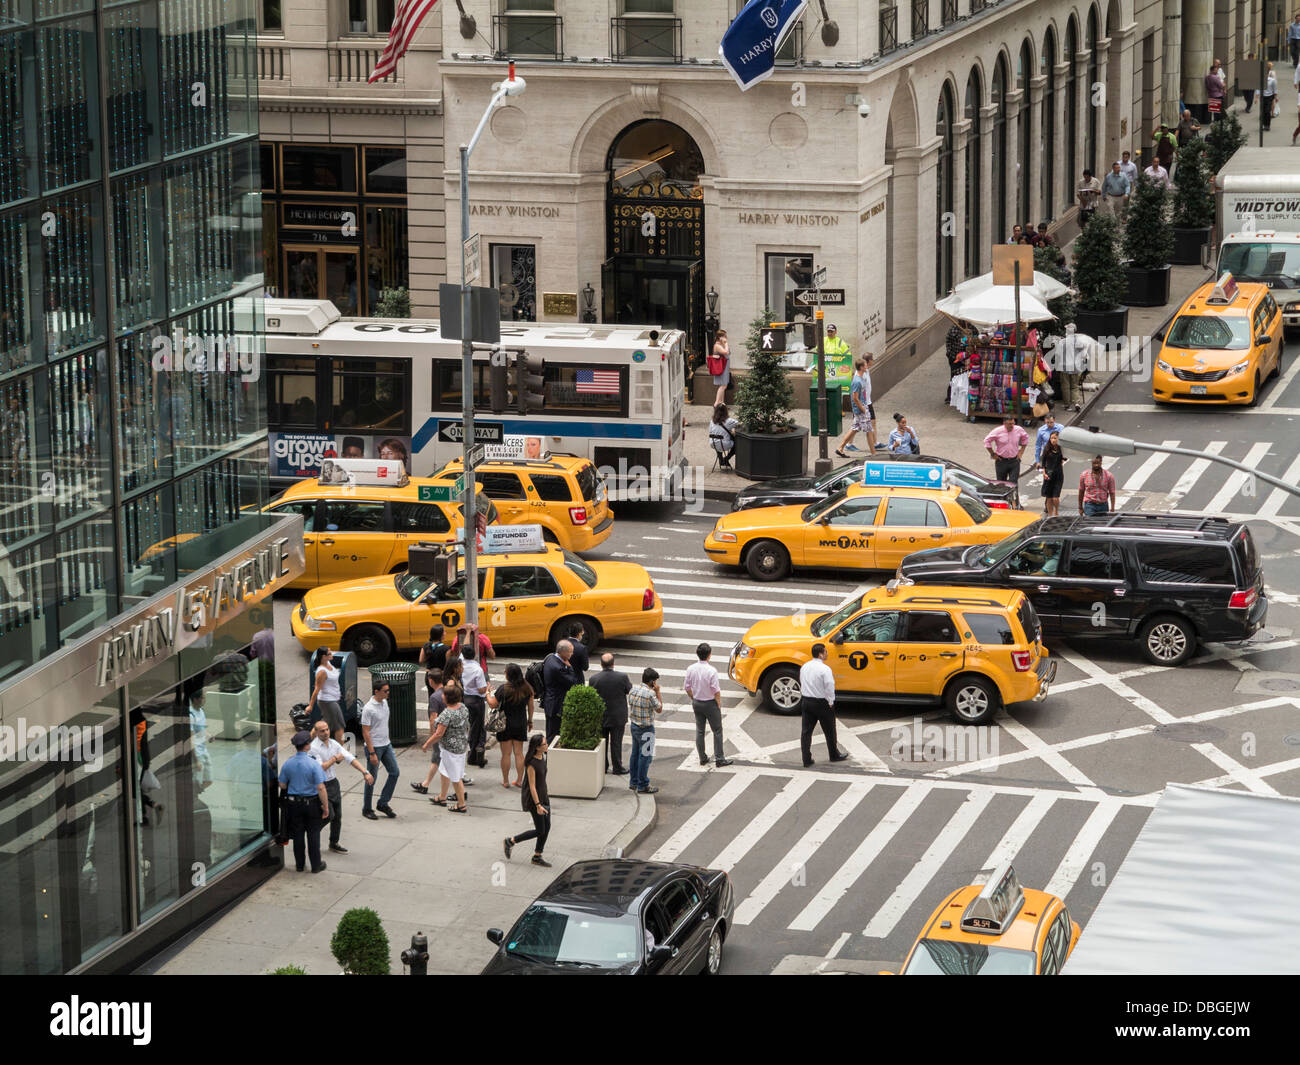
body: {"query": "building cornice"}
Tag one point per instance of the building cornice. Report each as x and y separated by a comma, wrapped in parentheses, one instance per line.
(325, 104)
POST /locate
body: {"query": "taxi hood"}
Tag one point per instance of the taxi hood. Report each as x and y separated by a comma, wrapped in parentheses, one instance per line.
(793, 631)
(1011, 521)
(762, 518)
(346, 596)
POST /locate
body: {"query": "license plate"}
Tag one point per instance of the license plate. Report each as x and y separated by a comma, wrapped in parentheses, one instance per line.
(1198, 390)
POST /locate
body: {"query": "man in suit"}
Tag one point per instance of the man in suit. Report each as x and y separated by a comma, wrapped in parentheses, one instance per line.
(580, 662)
(613, 686)
(558, 678)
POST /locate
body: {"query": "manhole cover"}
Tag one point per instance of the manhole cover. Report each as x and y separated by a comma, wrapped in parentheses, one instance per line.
(1292, 740)
(1190, 732)
(1280, 684)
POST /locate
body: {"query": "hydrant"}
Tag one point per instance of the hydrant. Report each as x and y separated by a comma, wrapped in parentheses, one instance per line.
(417, 955)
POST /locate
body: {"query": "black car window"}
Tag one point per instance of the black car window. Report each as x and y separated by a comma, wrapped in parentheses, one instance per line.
(345, 515)
(514, 582)
(876, 626)
(1038, 558)
(501, 485)
(929, 626)
(859, 511)
(990, 628)
(419, 517)
(934, 515)
(905, 510)
(677, 902)
(1184, 563)
(974, 506)
(305, 507)
(549, 935)
(552, 488)
(1247, 557)
(1095, 560)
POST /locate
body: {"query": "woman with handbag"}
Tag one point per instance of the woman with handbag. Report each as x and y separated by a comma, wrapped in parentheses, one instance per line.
(719, 364)
(512, 706)
(535, 801)
(1052, 461)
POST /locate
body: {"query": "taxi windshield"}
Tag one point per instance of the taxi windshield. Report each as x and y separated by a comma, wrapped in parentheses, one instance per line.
(813, 511)
(946, 957)
(410, 587)
(830, 622)
(1217, 332)
(576, 565)
(974, 506)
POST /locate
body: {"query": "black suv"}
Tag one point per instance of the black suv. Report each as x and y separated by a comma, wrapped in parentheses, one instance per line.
(1167, 580)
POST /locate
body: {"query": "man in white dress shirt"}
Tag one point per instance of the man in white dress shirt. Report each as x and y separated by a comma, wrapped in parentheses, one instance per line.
(817, 686)
(330, 753)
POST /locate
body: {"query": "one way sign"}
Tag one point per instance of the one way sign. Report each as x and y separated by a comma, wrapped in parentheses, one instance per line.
(826, 297)
(454, 432)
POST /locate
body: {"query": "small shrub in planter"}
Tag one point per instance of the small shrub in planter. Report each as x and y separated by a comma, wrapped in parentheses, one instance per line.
(1222, 141)
(1050, 260)
(1193, 203)
(360, 943)
(582, 718)
(768, 442)
(1100, 279)
(288, 970)
(1148, 243)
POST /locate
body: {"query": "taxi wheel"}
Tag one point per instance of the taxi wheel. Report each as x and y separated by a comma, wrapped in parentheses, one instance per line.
(561, 629)
(1254, 395)
(767, 560)
(781, 690)
(371, 644)
(1168, 640)
(972, 700)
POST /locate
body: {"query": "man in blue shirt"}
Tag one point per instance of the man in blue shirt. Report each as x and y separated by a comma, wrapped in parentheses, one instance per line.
(1293, 39)
(1045, 430)
(303, 781)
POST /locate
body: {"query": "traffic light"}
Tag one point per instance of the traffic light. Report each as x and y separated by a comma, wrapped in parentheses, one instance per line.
(530, 382)
(498, 382)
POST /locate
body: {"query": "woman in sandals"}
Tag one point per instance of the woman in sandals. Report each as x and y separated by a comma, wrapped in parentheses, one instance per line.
(452, 736)
(535, 801)
(515, 697)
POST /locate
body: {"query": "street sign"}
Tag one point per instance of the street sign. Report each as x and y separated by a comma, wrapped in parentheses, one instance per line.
(772, 340)
(484, 314)
(826, 297)
(819, 277)
(473, 263)
(453, 432)
(476, 454)
(902, 475)
(442, 493)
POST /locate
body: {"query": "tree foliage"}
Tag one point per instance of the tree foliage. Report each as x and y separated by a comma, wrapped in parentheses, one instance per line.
(765, 396)
(1148, 237)
(1193, 197)
(582, 718)
(1223, 140)
(1098, 275)
(360, 943)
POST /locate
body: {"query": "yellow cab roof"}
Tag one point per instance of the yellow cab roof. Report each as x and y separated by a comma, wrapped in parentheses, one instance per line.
(926, 595)
(1024, 932)
(857, 488)
(311, 488)
(551, 464)
(1249, 293)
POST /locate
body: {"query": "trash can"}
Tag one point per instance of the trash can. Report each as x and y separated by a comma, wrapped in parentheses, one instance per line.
(834, 408)
(400, 676)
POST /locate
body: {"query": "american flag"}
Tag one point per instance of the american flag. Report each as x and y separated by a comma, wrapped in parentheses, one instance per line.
(407, 19)
(599, 382)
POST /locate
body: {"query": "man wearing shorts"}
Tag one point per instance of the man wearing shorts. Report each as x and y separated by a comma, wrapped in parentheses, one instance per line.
(860, 405)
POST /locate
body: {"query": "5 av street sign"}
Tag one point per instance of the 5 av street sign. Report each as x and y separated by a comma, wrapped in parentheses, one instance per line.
(484, 432)
(442, 493)
(826, 297)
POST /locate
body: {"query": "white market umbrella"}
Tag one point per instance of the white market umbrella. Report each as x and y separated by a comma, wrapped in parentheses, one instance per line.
(1044, 286)
(995, 305)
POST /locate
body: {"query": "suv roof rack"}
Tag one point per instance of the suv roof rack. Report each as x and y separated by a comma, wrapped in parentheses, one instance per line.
(1137, 523)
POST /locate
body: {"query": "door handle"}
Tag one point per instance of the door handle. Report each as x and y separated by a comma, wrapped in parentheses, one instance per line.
(551, 606)
(326, 541)
(1044, 587)
(881, 654)
(936, 536)
(947, 654)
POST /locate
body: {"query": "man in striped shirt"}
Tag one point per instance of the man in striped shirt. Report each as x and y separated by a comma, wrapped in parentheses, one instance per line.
(643, 702)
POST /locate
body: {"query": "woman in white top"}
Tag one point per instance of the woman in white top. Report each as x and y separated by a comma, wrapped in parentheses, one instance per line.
(720, 435)
(327, 694)
(1269, 97)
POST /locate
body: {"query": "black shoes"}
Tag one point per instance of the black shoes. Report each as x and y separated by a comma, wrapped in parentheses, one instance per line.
(320, 868)
(840, 756)
(619, 772)
(539, 860)
(704, 761)
(808, 763)
(649, 790)
(507, 845)
(338, 848)
(387, 811)
(722, 762)
(370, 815)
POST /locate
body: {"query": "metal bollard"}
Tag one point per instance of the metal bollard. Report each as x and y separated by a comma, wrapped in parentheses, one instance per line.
(417, 955)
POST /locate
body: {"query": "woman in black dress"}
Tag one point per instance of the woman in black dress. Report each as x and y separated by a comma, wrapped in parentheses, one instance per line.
(515, 697)
(535, 801)
(1053, 465)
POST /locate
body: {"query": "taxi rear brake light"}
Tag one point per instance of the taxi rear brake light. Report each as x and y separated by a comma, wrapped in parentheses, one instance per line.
(648, 600)
(1022, 660)
(997, 504)
(1242, 600)
(578, 515)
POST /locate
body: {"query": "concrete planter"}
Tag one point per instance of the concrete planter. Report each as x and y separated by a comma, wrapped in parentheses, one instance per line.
(765, 456)
(575, 774)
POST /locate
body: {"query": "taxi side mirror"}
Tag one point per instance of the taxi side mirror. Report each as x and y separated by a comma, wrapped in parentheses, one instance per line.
(1160, 334)
(1265, 339)
(837, 639)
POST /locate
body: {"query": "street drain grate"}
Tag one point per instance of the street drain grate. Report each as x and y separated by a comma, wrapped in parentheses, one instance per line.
(1293, 740)
(1280, 684)
(1190, 732)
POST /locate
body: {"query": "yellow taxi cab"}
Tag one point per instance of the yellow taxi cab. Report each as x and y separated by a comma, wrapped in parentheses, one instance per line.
(562, 493)
(994, 929)
(865, 526)
(362, 516)
(524, 598)
(970, 649)
(1223, 344)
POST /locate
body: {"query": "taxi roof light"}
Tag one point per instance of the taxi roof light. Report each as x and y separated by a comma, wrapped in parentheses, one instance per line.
(995, 907)
(903, 475)
(1225, 290)
(367, 473)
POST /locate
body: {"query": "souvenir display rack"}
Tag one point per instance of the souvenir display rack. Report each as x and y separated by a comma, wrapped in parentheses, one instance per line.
(1001, 373)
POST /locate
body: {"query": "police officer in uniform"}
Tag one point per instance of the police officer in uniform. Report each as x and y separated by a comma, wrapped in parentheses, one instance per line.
(303, 781)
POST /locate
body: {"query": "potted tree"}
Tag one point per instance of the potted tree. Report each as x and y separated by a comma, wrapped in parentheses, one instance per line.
(1148, 243)
(575, 767)
(1193, 204)
(360, 943)
(1222, 141)
(768, 442)
(1099, 279)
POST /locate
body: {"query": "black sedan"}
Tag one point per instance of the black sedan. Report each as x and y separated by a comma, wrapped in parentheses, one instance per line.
(785, 491)
(618, 916)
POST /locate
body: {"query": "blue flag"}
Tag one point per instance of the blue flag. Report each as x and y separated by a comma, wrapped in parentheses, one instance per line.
(751, 42)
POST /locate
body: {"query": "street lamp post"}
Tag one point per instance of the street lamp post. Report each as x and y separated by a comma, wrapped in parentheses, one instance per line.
(512, 86)
(1090, 442)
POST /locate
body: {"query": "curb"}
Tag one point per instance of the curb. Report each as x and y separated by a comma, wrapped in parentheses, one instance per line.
(638, 827)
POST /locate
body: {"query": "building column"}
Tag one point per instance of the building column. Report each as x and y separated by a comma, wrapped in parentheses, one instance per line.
(1197, 52)
(1037, 149)
(960, 146)
(1063, 194)
(987, 238)
(1171, 60)
(1103, 143)
(1120, 97)
(1015, 175)
(912, 225)
(426, 216)
(1082, 104)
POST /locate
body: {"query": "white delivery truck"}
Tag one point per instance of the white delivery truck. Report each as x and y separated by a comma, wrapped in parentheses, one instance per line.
(1257, 224)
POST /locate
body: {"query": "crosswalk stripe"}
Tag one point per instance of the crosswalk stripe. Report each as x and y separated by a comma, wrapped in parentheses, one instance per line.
(700, 610)
(835, 595)
(798, 856)
(766, 608)
(713, 808)
(745, 839)
(1237, 478)
(856, 864)
(703, 630)
(1081, 848)
(1278, 496)
(1143, 473)
(1279, 388)
(1009, 845)
(1193, 474)
(910, 887)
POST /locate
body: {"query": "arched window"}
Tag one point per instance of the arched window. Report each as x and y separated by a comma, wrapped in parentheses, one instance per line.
(943, 204)
(998, 98)
(974, 160)
(1024, 126)
(1048, 175)
(1090, 144)
(1071, 107)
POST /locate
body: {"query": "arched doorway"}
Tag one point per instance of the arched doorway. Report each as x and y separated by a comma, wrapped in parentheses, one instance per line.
(943, 205)
(1048, 171)
(974, 167)
(998, 98)
(1071, 107)
(654, 273)
(1024, 126)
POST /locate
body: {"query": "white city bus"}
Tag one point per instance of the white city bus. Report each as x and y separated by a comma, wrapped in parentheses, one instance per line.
(391, 389)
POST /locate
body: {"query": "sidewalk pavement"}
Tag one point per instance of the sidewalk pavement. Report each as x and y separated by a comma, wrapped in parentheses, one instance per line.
(428, 870)
(940, 429)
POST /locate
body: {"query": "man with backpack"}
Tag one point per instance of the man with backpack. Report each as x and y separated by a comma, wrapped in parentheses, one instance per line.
(557, 678)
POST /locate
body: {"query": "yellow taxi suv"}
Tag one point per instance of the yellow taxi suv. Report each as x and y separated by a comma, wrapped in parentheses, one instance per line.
(972, 650)
(524, 598)
(995, 929)
(870, 527)
(564, 494)
(361, 520)
(1224, 343)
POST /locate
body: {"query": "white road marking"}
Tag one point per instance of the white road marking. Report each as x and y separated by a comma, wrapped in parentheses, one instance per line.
(1193, 474)
(1237, 478)
(1279, 496)
(856, 864)
(655, 538)
(759, 826)
(940, 850)
(1143, 473)
(1024, 824)
(797, 857)
(714, 807)
(1081, 848)
(1153, 408)
(1050, 756)
(1237, 772)
(1269, 403)
(834, 952)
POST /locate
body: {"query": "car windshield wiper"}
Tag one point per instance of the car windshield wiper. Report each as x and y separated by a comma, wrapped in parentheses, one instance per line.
(529, 957)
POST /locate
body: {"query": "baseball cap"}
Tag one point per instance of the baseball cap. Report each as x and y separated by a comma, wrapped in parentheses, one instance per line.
(302, 738)
(831, 329)
(649, 675)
